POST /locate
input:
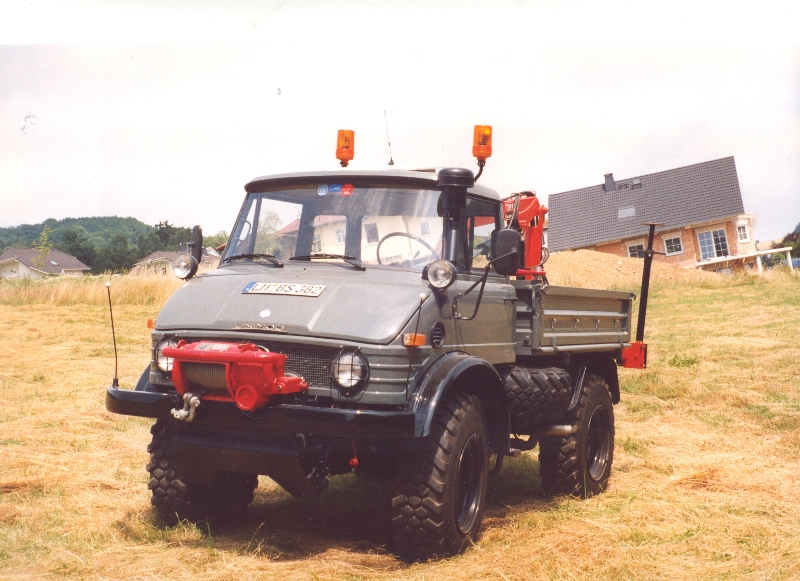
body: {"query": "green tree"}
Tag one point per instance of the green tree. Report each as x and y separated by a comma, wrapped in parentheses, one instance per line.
(216, 240)
(75, 241)
(42, 246)
(148, 243)
(179, 238)
(117, 255)
(172, 238)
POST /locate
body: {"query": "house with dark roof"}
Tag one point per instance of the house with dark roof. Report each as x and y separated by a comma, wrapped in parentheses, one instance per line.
(700, 207)
(29, 263)
(160, 261)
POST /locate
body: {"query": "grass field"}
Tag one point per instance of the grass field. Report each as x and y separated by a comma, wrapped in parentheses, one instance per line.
(704, 486)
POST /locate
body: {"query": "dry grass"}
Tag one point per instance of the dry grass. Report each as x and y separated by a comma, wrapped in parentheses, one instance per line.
(705, 481)
(88, 290)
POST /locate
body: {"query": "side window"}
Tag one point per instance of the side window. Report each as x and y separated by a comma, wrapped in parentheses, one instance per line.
(673, 246)
(482, 219)
(713, 244)
(743, 235)
(636, 251)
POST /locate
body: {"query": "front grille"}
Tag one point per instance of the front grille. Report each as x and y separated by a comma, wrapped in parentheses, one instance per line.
(311, 363)
(207, 375)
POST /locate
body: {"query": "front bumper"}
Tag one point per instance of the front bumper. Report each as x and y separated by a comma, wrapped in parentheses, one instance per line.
(278, 421)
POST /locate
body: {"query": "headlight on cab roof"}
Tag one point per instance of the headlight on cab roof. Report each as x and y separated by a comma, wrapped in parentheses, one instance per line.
(441, 274)
(163, 362)
(184, 266)
(350, 371)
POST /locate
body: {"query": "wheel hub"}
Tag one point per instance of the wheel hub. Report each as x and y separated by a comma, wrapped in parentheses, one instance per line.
(468, 484)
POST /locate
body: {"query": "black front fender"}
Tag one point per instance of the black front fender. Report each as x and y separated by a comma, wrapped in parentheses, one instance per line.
(459, 371)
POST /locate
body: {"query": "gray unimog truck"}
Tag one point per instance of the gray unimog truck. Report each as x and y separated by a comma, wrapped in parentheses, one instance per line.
(376, 319)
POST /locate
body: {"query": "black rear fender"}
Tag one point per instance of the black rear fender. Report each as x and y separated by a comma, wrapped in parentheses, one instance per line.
(602, 365)
(461, 372)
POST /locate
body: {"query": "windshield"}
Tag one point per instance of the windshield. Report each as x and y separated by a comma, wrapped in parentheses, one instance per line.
(379, 226)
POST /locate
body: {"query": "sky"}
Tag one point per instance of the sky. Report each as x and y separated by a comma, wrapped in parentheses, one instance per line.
(164, 110)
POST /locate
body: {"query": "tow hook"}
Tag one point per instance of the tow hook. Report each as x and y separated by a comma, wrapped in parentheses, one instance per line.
(190, 404)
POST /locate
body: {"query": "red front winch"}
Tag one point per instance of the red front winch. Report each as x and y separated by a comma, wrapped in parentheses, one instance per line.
(243, 373)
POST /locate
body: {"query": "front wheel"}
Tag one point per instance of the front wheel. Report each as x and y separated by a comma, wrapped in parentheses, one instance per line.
(176, 498)
(580, 464)
(440, 491)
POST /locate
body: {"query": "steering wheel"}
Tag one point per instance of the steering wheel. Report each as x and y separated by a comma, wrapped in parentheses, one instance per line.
(407, 235)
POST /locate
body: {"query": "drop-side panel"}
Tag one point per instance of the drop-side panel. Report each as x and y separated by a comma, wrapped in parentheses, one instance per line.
(574, 317)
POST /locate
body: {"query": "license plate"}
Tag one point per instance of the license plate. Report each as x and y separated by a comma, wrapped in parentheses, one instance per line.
(284, 288)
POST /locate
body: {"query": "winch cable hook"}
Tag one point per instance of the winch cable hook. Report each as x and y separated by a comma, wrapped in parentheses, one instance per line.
(190, 404)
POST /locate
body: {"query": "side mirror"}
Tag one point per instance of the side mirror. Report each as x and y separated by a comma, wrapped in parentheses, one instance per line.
(197, 243)
(505, 246)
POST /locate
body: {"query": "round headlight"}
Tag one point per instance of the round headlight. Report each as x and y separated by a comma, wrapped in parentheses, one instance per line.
(165, 363)
(350, 371)
(184, 266)
(441, 274)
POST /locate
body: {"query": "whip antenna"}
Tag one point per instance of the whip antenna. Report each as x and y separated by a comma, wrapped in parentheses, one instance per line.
(113, 336)
(391, 161)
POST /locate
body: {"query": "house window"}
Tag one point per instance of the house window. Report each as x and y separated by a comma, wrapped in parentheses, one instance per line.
(743, 235)
(713, 244)
(626, 213)
(673, 246)
(340, 236)
(424, 229)
(316, 245)
(372, 233)
(636, 250)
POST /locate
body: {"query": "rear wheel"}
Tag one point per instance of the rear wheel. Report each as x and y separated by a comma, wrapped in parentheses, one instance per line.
(536, 395)
(580, 464)
(176, 498)
(440, 491)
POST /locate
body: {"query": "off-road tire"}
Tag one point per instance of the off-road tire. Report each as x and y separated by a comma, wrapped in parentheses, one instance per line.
(580, 464)
(176, 498)
(439, 491)
(536, 395)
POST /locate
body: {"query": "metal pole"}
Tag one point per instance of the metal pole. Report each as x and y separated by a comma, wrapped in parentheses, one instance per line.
(648, 261)
(115, 382)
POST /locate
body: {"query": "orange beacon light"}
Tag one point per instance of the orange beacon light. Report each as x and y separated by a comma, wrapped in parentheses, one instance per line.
(345, 142)
(482, 142)
(482, 145)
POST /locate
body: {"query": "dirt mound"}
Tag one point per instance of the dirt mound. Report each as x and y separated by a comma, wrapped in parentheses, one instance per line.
(590, 269)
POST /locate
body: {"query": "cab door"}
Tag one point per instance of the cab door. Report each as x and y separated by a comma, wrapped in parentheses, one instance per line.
(490, 335)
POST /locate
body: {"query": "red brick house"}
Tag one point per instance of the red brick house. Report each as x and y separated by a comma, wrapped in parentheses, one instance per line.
(700, 206)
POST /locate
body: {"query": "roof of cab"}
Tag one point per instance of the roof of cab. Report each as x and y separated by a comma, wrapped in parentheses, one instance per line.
(360, 178)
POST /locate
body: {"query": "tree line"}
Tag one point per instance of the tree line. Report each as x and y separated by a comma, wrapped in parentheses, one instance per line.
(103, 243)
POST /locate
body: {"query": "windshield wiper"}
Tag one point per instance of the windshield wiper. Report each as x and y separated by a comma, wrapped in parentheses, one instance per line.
(322, 256)
(269, 257)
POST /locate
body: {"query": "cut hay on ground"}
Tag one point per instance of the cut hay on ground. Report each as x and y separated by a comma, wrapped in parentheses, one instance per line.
(704, 486)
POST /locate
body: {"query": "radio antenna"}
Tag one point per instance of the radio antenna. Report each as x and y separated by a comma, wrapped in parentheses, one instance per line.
(391, 161)
(113, 336)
